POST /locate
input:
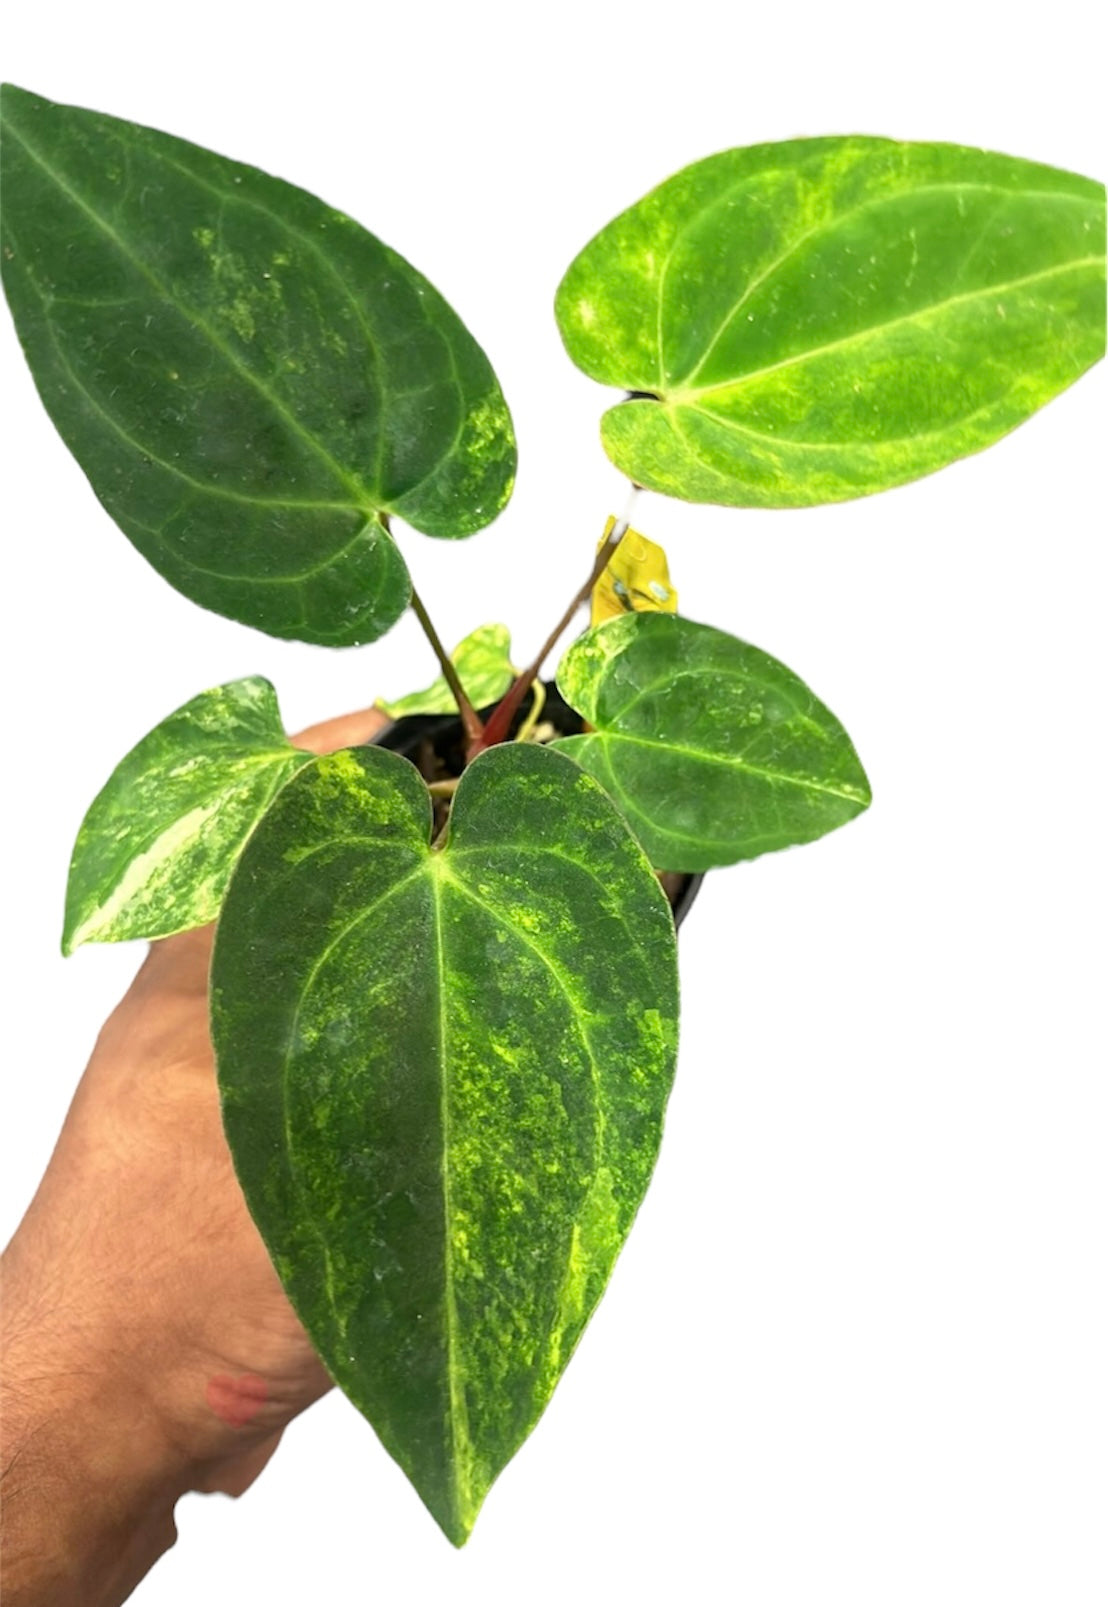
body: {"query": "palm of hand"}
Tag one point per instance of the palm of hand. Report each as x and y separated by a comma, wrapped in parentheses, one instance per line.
(139, 1238)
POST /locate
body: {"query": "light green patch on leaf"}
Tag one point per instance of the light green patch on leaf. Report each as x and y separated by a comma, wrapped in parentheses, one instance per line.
(714, 751)
(250, 380)
(443, 1076)
(484, 667)
(824, 318)
(156, 849)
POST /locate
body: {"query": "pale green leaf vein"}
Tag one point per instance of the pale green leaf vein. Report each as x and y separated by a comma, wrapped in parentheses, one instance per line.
(730, 761)
(461, 1446)
(828, 224)
(919, 316)
(349, 483)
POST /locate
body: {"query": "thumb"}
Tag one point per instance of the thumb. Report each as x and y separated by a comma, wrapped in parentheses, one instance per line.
(344, 731)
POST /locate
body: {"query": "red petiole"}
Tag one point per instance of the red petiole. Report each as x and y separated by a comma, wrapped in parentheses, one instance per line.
(499, 725)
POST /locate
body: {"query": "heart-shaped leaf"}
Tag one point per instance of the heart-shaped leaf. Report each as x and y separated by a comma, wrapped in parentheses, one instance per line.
(250, 380)
(714, 751)
(820, 319)
(443, 1075)
(484, 667)
(155, 852)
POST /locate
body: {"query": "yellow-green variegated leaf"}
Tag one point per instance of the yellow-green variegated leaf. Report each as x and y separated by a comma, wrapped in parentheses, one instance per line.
(819, 319)
(714, 751)
(443, 1074)
(484, 668)
(251, 381)
(155, 852)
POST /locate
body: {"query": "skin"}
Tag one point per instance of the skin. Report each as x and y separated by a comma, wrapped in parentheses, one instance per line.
(148, 1348)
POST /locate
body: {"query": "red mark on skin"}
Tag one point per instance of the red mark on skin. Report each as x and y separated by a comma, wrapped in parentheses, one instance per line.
(236, 1400)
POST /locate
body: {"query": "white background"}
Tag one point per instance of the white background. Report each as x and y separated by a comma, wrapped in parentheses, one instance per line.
(855, 1349)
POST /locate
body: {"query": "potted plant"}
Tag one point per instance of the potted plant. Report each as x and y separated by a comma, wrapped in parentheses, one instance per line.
(444, 996)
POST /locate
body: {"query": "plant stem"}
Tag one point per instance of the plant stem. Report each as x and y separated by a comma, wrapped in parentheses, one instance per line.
(474, 730)
(527, 728)
(501, 718)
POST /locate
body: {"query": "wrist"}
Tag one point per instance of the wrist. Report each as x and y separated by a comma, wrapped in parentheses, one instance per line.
(91, 1471)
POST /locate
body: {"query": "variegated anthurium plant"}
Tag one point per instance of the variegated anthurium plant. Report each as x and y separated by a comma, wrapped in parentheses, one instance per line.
(445, 1042)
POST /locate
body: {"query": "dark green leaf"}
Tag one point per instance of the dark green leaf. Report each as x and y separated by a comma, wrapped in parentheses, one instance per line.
(443, 1077)
(484, 667)
(825, 318)
(714, 751)
(155, 852)
(249, 379)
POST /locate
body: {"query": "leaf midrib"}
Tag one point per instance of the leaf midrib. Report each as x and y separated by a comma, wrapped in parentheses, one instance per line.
(237, 198)
(220, 493)
(711, 845)
(794, 443)
(828, 225)
(359, 497)
(203, 486)
(681, 397)
(461, 1446)
(729, 762)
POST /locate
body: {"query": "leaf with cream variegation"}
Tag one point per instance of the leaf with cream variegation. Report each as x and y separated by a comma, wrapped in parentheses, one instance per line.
(156, 849)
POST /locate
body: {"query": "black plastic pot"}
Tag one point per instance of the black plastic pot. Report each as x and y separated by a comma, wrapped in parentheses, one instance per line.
(435, 743)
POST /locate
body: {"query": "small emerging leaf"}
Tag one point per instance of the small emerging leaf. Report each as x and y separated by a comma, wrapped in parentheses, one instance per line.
(714, 751)
(155, 852)
(824, 318)
(251, 381)
(443, 1076)
(484, 667)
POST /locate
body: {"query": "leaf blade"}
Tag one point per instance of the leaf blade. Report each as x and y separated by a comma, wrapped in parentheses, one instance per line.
(823, 319)
(484, 665)
(251, 381)
(156, 848)
(714, 751)
(485, 1206)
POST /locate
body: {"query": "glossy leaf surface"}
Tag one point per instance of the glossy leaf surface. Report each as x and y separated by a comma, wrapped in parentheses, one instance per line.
(821, 319)
(443, 1076)
(484, 665)
(155, 852)
(714, 751)
(249, 379)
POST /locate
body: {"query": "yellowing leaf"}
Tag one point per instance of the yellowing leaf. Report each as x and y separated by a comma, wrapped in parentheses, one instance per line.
(636, 581)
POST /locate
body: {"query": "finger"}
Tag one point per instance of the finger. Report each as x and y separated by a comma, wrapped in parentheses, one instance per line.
(345, 731)
(184, 959)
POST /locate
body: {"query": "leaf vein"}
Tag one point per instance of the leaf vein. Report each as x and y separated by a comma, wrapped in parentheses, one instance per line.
(919, 315)
(828, 224)
(349, 483)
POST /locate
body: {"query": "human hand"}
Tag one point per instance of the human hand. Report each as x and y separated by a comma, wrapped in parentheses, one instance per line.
(149, 1348)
